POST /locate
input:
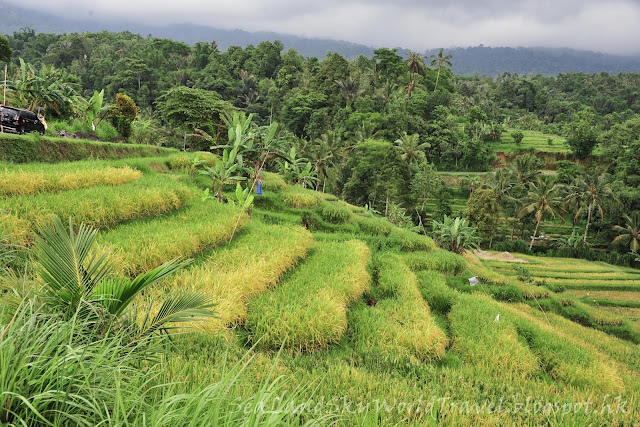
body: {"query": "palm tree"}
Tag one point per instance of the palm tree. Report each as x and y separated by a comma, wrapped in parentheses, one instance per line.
(543, 198)
(629, 235)
(590, 191)
(440, 61)
(415, 63)
(350, 89)
(78, 280)
(525, 169)
(410, 147)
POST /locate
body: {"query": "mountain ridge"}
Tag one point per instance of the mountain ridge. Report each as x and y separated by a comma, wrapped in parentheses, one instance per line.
(471, 60)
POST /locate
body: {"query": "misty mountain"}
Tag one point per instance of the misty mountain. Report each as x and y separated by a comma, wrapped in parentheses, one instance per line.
(467, 61)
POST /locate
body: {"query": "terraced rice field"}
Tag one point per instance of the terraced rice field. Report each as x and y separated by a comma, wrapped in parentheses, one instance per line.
(367, 315)
(594, 283)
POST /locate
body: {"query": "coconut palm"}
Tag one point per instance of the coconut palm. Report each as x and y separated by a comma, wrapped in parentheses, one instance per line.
(350, 89)
(78, 279)
(410, 148)
(629, 235)
(589, 192)
(543, 198)
(525, 169)
(440, 61)
(415, 63)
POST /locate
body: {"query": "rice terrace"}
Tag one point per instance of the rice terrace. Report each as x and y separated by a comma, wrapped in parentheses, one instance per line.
(193, 235)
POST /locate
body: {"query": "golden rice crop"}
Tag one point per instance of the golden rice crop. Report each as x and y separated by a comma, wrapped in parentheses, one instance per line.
(253, 263)
(183, 161)
(100, 207)
(142, 245)
(300, 200)
(21, 183)
(612, 295)
(398, 328)
(15, 230)
(308, 310)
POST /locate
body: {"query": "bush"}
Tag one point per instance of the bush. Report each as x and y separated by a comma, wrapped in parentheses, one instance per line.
(517, 136)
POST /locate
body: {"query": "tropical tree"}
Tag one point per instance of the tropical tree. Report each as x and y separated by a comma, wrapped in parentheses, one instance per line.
(629, 235)
(415, 63)
(590, 191)
(525, 169)
(410, 147)
(455, 234)
(543, 198)
(78, 279)
(350, 89)
(439, 62)
(94, 105)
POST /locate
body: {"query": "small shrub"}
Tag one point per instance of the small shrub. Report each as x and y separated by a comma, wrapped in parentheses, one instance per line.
(517, 136)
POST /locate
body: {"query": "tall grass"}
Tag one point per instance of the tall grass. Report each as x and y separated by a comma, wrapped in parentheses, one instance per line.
(252, 264)
(100, 207)
(60, 372)
(25, 183)
(396, 327)
(141, 245)
(308, 310)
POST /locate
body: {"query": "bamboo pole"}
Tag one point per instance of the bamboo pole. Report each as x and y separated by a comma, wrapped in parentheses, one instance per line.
(4, 96)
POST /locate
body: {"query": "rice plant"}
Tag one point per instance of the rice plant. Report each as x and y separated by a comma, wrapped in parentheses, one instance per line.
(20, 183)
(143, 244)
(308, 310)
(254, 263)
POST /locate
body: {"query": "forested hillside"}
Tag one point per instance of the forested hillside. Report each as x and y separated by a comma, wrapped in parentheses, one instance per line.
(377, 131)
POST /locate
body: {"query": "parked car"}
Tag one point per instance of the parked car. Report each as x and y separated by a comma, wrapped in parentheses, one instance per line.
(16, 120)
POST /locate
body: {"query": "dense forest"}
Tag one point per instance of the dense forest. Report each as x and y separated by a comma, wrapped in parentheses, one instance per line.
(373, 130)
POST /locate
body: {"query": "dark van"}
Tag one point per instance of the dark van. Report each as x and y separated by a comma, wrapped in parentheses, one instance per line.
(20, 121)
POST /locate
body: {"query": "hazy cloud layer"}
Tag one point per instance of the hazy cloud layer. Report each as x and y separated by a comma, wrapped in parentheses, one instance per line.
(608, 26)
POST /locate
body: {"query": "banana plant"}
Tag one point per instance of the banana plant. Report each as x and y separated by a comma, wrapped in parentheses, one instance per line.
(225, 171)
(242, 197)
(94, 106)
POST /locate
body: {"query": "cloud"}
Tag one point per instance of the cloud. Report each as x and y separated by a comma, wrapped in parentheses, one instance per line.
(416, 24)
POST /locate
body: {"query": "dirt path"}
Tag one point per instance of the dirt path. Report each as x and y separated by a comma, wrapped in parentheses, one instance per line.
(502, 256)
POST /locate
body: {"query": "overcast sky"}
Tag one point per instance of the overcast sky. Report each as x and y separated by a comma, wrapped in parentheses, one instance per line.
(601, 25)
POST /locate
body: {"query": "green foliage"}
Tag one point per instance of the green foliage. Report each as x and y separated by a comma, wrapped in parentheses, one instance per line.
(5, 50)
(335, 212)
(483, 213)
(122, 114)
(454, 234)
(517, 136)
(190, 109)
(582, 134)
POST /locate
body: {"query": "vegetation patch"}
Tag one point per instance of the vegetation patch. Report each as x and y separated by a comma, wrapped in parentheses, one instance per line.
(438, 260)
(396, 327)
(20, 149)
(300, 199)
(21, 183)
(308, 310)
(335, 212)
(250, 265)
(100, 207)
(141, 245)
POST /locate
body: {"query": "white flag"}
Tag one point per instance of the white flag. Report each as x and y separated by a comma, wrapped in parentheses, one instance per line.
(474, 281)
(497, 319)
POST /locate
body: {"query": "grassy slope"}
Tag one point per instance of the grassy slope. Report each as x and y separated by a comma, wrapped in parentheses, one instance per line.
(364, 351)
